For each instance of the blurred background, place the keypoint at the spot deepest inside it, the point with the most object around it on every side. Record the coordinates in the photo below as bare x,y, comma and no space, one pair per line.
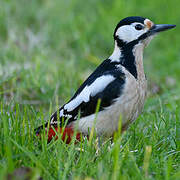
48,48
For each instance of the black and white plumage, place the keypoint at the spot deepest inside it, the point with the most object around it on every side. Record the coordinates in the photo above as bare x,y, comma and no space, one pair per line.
119,82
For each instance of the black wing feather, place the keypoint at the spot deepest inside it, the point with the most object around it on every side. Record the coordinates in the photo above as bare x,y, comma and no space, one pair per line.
107,96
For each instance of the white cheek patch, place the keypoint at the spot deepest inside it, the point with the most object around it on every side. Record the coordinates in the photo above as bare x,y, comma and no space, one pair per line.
128,33
97,86
125,33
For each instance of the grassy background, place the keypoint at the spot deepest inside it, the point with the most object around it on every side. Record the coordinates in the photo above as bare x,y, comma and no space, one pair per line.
47,49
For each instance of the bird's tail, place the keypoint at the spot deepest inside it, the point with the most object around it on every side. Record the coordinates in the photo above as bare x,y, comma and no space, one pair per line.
66,133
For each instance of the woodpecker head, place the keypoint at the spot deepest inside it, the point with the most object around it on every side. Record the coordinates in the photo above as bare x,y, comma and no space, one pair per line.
131,35
136,30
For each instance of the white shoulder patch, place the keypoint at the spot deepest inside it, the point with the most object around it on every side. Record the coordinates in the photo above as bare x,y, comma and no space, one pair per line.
97,86
61,112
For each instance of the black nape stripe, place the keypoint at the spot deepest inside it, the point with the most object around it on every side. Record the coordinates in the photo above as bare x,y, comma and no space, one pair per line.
127,58
120,42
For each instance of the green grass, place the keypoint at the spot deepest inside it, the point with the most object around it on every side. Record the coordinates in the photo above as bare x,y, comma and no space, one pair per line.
47,49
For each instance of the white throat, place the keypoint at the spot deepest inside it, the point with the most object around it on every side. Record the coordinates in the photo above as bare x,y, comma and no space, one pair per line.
116,55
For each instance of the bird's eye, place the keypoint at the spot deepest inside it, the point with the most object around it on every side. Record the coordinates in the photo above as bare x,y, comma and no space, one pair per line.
139,27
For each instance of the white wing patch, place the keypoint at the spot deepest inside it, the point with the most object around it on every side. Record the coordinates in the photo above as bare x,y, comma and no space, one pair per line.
65,115
61,113
97,86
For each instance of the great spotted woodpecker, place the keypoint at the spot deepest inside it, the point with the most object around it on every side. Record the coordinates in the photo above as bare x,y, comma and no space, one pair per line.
119,82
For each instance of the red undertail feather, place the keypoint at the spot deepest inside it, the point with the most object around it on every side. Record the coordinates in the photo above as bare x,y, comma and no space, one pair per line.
67,134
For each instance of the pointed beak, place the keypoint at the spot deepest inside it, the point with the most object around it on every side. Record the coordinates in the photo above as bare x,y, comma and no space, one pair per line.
159,28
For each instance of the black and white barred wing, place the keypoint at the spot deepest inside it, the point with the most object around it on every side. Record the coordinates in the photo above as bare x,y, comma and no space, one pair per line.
106,86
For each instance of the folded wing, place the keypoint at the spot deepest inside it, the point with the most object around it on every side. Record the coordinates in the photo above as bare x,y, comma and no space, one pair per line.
106,84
